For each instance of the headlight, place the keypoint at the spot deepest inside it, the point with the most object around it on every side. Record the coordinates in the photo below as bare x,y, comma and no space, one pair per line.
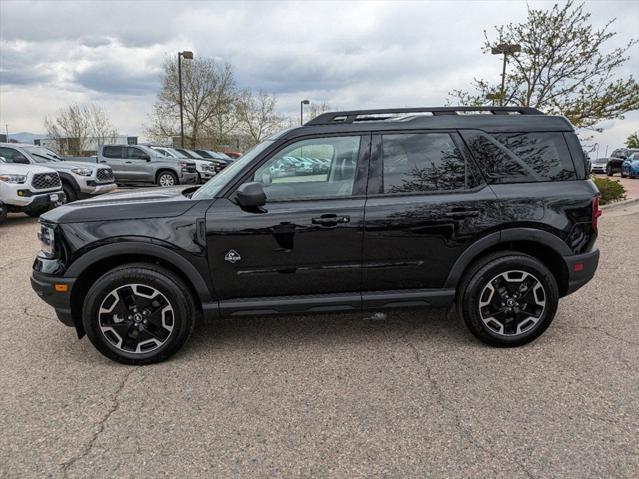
47,240
82,171
14,179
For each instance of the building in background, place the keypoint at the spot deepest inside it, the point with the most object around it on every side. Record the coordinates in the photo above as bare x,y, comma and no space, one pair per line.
90,148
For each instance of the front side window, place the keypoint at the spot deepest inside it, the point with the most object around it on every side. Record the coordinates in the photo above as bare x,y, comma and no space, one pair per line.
137,154
311,169
424,163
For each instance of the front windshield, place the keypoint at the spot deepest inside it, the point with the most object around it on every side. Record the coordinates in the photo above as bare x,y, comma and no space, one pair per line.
215,184
40,154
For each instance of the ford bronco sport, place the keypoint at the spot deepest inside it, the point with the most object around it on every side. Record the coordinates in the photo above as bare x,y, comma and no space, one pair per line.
487,208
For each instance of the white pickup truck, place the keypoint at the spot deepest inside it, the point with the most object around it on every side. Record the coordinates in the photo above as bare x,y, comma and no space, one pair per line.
28,189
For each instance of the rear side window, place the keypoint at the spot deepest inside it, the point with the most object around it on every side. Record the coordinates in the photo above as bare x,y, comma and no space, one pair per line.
522,157
424,163
112,152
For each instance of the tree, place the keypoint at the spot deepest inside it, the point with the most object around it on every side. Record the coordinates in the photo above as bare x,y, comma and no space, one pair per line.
316,109
78,128
633,140
256,115
561,68
208,94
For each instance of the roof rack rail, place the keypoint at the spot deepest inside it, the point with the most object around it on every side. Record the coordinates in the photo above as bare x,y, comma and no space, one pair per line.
390,113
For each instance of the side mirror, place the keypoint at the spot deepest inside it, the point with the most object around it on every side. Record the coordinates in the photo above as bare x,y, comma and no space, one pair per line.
251,195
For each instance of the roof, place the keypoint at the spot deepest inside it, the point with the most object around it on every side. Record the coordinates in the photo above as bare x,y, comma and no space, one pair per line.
489,119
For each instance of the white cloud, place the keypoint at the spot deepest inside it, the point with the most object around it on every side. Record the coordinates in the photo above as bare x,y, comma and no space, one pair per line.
353,55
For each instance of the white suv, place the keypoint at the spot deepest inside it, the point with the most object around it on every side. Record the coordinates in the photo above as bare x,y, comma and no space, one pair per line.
28,189
79,180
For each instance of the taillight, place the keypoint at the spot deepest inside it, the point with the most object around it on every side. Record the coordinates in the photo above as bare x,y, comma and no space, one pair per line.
596,212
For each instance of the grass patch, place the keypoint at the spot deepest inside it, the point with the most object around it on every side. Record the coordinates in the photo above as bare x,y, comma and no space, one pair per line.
611,190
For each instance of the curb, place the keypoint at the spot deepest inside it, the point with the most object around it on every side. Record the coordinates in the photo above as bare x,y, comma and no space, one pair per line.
619,203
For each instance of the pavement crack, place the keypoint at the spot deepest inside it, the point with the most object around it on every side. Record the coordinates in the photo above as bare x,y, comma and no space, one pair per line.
441,401
36,315
13,262
115,405
603,331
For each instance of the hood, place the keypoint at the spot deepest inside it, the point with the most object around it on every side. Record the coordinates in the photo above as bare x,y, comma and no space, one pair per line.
68,165
124,205
20,169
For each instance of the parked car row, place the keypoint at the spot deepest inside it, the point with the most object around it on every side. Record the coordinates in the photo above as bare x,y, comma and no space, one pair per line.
621,161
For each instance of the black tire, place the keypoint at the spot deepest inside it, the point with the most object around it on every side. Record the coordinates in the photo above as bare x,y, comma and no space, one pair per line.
69,192
622,173
166,179
609,170
172,291
476,282
3,212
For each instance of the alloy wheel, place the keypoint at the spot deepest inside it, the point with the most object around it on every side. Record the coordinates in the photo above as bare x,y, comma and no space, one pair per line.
512,303
136,318
167,180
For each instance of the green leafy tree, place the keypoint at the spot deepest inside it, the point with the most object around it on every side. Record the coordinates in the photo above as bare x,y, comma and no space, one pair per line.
561,68
633,140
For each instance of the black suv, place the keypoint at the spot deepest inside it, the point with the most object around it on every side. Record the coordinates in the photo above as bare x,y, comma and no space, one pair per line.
617,158
490,208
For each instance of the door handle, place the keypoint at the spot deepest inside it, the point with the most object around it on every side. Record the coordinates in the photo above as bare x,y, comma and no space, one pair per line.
330,220
128,162
102,161
461,213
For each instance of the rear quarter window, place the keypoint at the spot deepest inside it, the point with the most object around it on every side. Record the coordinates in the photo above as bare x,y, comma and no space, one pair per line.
522,157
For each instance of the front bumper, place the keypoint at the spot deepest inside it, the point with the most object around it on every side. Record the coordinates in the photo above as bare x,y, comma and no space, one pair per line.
50,289
90,187
581,269
188,178
28,197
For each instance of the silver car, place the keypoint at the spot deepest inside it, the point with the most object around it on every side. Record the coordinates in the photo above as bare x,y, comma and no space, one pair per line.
79,179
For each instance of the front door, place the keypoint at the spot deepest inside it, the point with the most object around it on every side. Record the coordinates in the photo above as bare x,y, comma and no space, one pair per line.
307,240
427,202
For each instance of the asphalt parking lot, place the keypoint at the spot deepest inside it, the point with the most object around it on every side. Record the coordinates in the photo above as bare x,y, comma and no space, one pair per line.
329,396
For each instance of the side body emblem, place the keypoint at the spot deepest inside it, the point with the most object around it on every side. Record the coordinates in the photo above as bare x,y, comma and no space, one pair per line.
232,256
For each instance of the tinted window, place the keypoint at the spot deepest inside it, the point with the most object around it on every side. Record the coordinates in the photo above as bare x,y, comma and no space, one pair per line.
137,154
523,157
424,162
112,152
316,168
13,156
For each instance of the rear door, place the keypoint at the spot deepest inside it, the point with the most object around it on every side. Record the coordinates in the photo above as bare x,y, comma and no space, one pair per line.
426,204
307,240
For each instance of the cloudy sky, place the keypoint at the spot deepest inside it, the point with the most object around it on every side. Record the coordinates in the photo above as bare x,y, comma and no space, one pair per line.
353,55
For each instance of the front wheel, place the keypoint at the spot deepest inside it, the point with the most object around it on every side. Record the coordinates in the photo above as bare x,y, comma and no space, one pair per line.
623,175
138,314
69,193
3,212
509,299
609,170
166,178
36,212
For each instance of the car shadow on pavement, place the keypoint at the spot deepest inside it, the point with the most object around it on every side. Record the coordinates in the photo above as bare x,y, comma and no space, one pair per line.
439,326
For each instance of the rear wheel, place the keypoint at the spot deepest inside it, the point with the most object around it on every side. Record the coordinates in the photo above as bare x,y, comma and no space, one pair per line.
508,299
167,178
138,314
623,175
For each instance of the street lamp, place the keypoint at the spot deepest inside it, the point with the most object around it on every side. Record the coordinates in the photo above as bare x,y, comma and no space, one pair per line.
188,56
505,49
302,103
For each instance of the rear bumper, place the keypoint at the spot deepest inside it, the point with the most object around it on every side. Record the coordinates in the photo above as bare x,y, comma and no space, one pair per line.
188,178
581,269
45,287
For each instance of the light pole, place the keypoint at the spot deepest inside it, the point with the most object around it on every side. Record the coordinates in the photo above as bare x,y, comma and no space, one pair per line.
302,103
189,56
505,49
